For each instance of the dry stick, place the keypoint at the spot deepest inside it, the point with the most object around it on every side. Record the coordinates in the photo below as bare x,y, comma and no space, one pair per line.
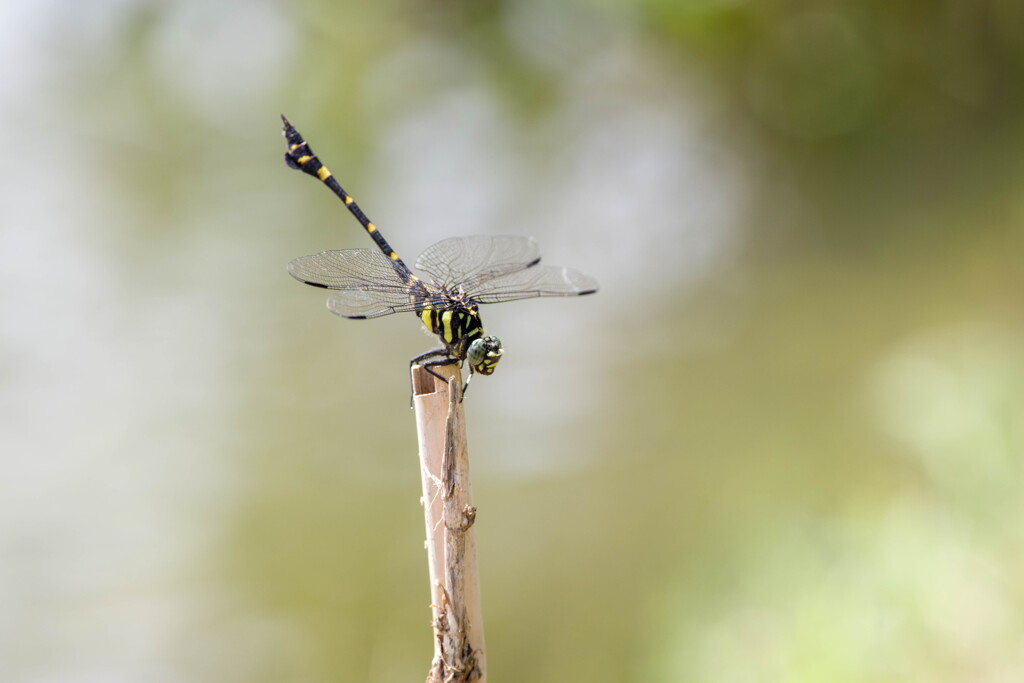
449,514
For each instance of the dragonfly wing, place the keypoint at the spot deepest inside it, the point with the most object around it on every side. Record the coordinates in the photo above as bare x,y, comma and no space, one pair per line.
534,282
366,284
345,269
365,303
478,258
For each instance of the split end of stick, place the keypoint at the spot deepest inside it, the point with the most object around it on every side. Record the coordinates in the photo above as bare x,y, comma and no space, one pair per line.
423,382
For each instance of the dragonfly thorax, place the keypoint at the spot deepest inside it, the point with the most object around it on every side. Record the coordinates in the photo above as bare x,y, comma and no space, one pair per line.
457,322
460,329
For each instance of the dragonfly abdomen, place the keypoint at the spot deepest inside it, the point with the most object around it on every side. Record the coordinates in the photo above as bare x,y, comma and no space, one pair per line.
300,156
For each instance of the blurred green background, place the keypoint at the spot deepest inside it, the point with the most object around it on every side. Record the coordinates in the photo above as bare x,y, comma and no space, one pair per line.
783,443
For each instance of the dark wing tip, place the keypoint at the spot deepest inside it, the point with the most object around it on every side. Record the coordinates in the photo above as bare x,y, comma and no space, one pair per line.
285,122
588,291
292,271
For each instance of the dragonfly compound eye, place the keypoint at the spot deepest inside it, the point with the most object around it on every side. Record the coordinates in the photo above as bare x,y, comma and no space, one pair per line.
483,354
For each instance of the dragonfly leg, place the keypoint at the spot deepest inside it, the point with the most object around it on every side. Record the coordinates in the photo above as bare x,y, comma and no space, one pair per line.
433,353
466,385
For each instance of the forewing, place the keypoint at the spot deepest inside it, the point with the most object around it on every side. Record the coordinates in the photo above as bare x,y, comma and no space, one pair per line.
345,269
534,282
367,284
476,259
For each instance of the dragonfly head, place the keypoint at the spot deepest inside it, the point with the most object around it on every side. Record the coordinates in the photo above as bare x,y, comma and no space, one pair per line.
483,354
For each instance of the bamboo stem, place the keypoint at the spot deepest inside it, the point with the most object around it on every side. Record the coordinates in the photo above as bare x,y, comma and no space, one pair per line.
449,515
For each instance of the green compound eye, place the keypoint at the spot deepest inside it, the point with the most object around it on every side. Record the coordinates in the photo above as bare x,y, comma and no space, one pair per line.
483,354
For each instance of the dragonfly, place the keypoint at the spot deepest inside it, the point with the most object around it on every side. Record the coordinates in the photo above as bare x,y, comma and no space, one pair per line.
460,274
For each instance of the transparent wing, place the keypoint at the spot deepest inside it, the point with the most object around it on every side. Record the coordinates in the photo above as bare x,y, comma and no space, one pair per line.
367,284
361,303
534,282
470,261
345,269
